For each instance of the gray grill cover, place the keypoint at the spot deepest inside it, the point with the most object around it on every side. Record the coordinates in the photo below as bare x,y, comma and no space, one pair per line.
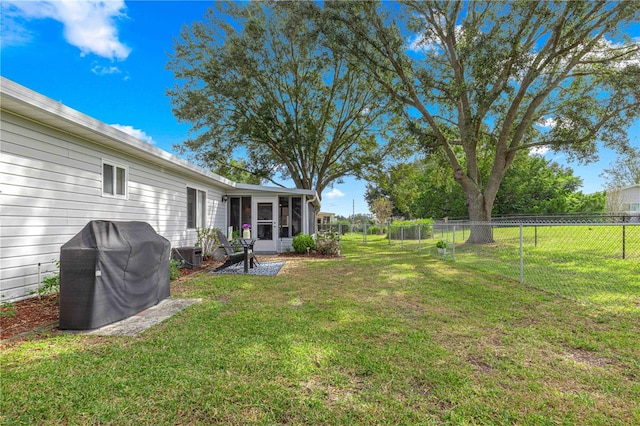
110,271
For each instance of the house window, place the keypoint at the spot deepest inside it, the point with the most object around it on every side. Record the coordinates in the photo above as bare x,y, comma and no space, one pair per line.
114,180
290,211
634,207
196,208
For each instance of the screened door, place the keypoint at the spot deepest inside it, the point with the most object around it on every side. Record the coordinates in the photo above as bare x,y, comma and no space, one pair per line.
265,224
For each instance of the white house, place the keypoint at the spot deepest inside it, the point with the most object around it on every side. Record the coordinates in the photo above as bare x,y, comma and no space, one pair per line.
60,169
326,218
625,201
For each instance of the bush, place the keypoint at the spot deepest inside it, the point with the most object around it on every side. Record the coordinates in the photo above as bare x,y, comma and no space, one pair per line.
408,230
8,310
303,241
328,243
207,238
174,269
373,230
50,284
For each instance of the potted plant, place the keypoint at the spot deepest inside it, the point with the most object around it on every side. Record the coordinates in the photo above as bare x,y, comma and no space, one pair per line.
441,245
246,231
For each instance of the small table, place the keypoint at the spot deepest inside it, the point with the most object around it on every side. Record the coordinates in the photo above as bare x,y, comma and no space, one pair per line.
247,244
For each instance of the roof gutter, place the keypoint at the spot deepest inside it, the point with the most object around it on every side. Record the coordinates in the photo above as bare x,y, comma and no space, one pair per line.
316,201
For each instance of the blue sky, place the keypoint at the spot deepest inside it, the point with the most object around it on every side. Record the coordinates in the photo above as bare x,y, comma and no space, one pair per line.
107,60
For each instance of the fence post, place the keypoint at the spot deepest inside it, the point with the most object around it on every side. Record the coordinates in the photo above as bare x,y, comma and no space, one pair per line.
624,242
521,255
364,234
402,236
453,245
535,230
419,237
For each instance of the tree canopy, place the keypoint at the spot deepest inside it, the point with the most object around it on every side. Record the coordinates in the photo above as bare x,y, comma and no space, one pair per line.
533,185
258,81
513,75
625,170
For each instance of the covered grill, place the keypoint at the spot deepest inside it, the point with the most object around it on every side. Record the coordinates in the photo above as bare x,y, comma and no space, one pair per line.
110,271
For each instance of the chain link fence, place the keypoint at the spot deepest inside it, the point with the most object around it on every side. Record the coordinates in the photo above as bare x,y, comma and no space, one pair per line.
595,263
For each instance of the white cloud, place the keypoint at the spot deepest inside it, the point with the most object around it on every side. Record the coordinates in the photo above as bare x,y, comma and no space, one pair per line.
547,122
13,32
421,42
136,133
100,70
606,48
539,150
427,40
334,193
88,24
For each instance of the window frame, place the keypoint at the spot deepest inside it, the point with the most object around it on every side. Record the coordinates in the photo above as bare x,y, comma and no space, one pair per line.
114,179
199,217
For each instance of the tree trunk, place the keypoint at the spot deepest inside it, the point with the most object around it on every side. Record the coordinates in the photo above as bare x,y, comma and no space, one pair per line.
480,217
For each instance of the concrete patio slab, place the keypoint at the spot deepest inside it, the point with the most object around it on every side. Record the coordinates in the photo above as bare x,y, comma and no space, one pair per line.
142,321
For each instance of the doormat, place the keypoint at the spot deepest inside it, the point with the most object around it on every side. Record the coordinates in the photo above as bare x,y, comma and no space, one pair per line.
263,268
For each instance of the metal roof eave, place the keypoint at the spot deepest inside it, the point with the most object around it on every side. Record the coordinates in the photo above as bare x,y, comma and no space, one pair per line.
36,107
275,189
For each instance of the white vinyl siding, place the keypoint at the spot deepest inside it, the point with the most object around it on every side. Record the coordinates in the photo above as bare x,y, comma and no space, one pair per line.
51,186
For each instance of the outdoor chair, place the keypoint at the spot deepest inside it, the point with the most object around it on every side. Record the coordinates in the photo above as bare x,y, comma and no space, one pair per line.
230,257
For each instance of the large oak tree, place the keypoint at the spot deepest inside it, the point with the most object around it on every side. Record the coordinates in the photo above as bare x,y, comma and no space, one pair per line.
258,81
518,74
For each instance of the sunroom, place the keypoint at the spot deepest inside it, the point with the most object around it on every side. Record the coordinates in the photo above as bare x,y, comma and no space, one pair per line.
273,216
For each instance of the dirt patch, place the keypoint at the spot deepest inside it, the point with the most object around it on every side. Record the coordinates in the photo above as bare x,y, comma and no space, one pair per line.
26,315
479,364
586,357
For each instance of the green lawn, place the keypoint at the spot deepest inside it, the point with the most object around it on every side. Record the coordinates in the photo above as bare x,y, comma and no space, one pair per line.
380,337
586,263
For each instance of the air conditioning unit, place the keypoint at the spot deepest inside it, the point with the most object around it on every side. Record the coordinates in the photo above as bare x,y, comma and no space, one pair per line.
189,257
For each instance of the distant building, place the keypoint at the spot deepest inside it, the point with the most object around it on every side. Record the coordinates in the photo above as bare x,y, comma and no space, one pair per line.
625,201
325,218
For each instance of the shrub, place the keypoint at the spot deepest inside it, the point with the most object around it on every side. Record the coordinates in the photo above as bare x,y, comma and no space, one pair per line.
50,284
303,241
408,229
8,310
207,238
328,243
373,230
174,269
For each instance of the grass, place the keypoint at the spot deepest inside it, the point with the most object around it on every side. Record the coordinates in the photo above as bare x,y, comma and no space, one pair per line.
581,262
380,337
